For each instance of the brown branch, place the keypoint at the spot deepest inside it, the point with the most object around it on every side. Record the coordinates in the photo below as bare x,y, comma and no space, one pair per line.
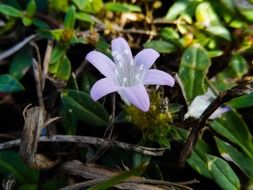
84,140
239,90
49,20
17,47
46,61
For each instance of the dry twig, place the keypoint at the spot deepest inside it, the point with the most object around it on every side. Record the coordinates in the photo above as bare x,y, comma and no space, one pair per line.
17,47
84,140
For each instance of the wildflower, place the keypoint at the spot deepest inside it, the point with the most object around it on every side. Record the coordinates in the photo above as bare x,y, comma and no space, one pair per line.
200,103
127,75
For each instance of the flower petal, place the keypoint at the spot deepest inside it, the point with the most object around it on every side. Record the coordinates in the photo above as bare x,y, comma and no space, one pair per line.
121,53
103,87
146,58
120,45
199,105
157,77
137,95
219,112
102,63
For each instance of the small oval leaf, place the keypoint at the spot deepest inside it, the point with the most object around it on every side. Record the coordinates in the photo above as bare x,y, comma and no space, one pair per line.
230,153
20,63
69,21
84,108
232,127
122,7
193,69
10,11
9,84
222,173
161,46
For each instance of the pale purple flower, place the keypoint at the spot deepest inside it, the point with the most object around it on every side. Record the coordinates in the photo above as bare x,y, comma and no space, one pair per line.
127,75
200,103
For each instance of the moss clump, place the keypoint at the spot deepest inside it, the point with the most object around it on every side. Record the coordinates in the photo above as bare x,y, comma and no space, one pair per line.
156,123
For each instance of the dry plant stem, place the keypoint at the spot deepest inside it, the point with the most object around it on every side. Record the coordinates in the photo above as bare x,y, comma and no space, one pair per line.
164,21
125,185
112,117
17,47
136,31
38,76
82,184
81,68
46,60
108,131
84,140
100,173
239,90
35,120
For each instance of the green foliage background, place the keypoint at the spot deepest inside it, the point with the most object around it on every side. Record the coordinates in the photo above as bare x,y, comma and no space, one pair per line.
205,44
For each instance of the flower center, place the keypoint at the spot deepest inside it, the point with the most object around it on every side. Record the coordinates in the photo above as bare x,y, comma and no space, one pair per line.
126,73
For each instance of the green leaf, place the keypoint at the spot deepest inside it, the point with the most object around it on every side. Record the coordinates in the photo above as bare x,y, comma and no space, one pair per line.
169,34
222,173
176,9
230,153
69,119
122,7
84,17
9,84
161,46
26,21
11,164
232,126
219,31
94,6
10,11
59,5
205,15
198,160
242,101
119,178
215,53
228,4
53,184
57,33
31,8
57,53
40,24
238,66
69,21
81,4
87,81
61,69
193,69
21,63
84,108
28,187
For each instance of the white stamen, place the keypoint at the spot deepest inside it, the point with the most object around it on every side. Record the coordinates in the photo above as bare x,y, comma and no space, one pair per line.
116,72
141,67
124,81
137,77
120,64
116,55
